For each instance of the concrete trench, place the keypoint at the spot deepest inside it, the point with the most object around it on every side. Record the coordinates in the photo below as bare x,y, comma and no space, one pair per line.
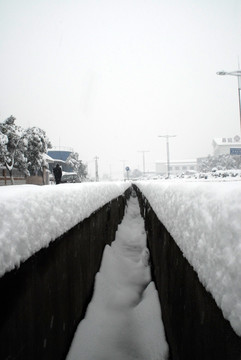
35,324
194,325
123,319
43,300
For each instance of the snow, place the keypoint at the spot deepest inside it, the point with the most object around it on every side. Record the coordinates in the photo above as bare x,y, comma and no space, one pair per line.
123,320
204,218
32,216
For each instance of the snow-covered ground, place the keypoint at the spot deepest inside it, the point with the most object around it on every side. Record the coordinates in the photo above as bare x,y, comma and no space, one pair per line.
204,218
123,320
31,216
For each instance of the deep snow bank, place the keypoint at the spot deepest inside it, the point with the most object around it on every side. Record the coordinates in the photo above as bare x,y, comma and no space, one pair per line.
31,216
205,221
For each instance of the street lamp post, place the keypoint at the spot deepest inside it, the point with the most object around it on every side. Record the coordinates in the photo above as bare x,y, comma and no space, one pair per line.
168,155
236,73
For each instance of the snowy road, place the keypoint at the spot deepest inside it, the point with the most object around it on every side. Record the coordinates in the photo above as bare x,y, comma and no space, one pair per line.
123,320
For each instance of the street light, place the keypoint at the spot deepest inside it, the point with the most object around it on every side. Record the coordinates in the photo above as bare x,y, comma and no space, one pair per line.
236,73
168,157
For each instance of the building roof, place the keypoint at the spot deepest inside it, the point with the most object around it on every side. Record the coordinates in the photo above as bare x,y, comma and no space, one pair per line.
185,161
227,141
59,154
48,158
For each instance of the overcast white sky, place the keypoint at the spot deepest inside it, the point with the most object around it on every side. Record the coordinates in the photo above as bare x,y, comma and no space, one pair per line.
107,77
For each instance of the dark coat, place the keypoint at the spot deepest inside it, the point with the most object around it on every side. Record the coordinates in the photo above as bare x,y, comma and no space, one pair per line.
57,173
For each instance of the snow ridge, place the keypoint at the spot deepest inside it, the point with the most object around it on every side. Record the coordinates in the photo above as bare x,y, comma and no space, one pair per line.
32,216
205,221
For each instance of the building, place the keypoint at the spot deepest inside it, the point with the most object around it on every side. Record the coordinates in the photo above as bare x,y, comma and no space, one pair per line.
223,146
177,167
60,155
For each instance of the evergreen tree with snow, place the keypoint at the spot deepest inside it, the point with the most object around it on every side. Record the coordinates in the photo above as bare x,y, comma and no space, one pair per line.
22,149
3,144
13,146
77,165
38,145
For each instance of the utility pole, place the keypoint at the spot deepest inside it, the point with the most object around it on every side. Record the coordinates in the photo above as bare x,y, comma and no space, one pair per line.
236,73
110,173
143,159
96,169
168,155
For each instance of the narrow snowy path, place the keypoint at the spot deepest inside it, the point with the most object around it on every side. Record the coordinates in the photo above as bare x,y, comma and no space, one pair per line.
123,320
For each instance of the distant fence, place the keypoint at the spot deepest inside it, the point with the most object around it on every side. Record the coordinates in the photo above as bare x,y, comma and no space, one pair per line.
36,180
5,178
194,325
7,181
20,178
43,301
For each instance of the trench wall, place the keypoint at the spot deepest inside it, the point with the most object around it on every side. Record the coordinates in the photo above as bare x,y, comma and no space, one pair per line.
43,300
194,325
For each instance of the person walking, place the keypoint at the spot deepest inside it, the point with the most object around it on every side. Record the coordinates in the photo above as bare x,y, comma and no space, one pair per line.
57,174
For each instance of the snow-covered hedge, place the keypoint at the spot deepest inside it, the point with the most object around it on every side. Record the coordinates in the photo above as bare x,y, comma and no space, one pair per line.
205,221
32,216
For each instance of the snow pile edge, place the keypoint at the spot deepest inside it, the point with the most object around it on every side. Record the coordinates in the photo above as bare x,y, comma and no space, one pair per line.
205,221
32,216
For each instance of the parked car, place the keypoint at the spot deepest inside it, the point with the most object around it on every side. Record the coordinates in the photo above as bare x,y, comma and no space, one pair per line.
70,178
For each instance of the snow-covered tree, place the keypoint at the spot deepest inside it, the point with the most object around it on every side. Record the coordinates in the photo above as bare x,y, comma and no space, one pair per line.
3,145
77,165
13,147
22,149
38,145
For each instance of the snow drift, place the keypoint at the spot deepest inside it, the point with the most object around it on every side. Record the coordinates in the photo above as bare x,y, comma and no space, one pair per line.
204,219
32,216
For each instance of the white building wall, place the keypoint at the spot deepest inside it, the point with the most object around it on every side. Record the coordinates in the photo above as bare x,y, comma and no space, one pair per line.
176,167
222,146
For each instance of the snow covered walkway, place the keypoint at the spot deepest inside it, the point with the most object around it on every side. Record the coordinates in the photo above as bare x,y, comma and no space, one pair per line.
123,320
